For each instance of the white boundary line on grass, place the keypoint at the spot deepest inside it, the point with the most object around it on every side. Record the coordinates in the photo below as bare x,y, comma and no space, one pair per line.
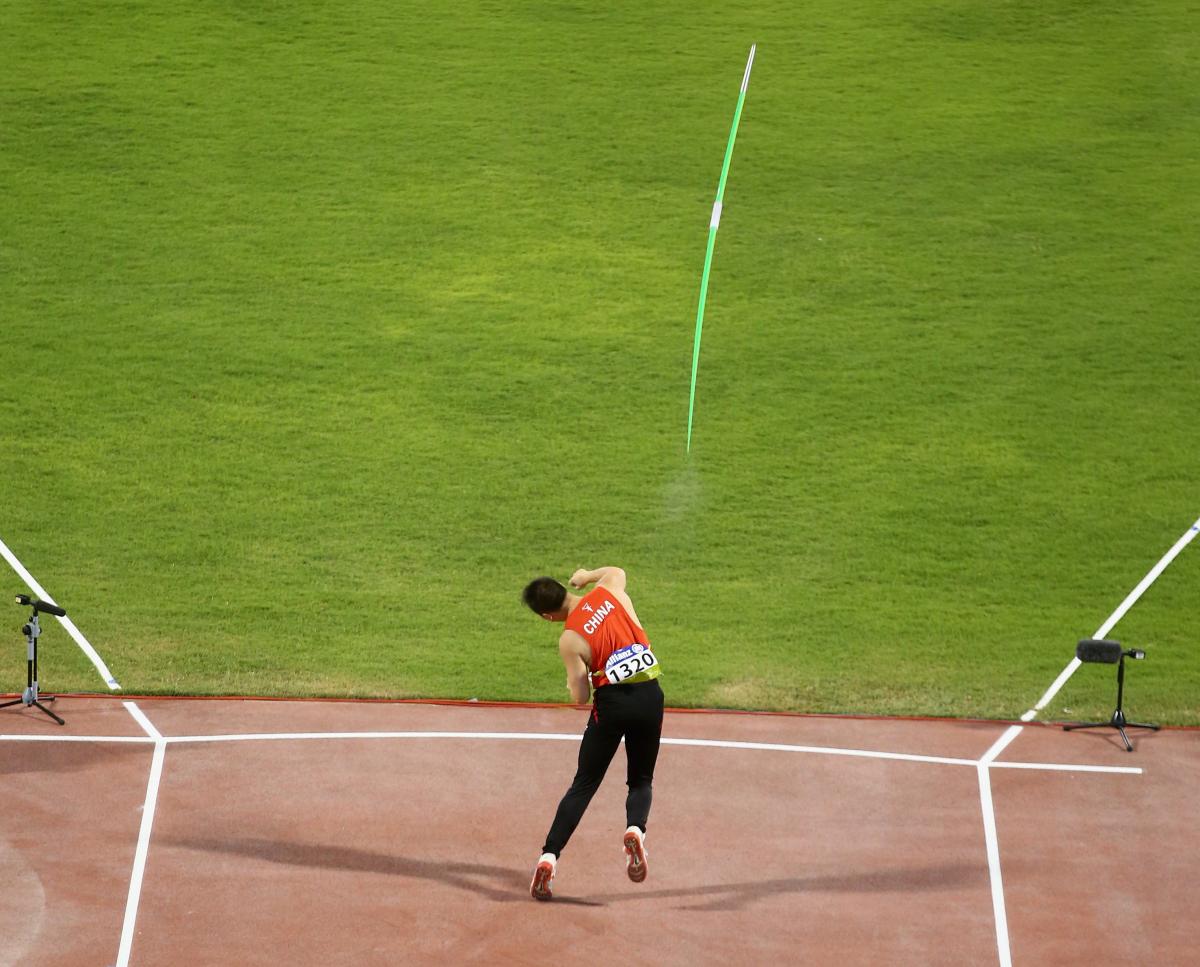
143,843
1130,600
66,622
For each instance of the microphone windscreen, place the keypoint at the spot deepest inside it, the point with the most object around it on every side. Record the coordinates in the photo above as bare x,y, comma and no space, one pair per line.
1099,650
47,608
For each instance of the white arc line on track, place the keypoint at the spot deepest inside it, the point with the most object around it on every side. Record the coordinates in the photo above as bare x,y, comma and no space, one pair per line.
66,622
153,737
143,843
566,737
139,739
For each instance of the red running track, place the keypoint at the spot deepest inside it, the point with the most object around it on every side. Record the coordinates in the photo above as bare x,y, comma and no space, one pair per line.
835,849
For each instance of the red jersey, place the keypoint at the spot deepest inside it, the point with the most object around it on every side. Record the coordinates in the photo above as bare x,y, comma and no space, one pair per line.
620,648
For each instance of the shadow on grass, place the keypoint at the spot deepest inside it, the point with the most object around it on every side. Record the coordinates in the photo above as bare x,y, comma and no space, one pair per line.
503,884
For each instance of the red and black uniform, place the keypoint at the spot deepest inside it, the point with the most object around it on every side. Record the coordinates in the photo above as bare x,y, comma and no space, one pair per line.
627,702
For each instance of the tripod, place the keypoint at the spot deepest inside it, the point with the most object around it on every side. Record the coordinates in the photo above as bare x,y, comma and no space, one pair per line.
1118,720
32,630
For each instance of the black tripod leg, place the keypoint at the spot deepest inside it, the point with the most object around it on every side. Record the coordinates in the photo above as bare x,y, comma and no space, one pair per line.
16,701
1128,744
48,712
1132,725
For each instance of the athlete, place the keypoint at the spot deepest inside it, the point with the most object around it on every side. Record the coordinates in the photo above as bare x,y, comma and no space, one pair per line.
607,656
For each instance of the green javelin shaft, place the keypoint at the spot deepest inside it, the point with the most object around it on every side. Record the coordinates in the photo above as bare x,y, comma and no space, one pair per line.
712,239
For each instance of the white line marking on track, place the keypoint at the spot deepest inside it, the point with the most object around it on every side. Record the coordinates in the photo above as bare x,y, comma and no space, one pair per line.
143,843
139,856
142,739
1000,744
1066,767
566,737
154,736
66,622
140,717
818,750
280,736
993,857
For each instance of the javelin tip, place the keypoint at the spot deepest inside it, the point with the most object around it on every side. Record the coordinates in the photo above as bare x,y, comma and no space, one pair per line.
749,64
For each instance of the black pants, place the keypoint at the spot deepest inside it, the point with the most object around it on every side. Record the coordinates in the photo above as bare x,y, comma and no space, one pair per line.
632,711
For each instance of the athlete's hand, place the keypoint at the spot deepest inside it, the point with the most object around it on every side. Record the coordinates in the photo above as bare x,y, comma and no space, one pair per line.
580,578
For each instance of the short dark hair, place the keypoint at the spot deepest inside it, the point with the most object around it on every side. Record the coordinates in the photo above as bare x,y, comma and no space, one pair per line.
544,595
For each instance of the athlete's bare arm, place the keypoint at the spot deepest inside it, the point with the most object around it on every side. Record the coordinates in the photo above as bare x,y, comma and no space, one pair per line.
610,578
574,652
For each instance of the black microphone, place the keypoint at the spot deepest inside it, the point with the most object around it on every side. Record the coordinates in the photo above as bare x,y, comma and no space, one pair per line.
45,607
1099,650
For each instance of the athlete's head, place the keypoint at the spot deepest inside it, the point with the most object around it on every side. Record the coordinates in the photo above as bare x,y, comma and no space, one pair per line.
545,597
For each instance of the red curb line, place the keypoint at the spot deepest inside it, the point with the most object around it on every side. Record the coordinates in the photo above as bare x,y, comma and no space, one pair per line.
470,703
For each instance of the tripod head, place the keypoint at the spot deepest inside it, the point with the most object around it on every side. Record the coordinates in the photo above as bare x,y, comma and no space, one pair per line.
43,607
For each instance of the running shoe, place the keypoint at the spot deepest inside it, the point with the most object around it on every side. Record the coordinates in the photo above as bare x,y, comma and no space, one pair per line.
635,854
543,878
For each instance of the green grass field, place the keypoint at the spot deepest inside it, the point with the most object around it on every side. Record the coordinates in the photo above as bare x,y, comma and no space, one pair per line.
328,326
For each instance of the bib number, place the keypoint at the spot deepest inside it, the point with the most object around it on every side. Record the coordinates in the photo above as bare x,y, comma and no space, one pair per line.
628,662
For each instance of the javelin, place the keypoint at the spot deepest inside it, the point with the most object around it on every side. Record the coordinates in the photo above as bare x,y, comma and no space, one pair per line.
712,238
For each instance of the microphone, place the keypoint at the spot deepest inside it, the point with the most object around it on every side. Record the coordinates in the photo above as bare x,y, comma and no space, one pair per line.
1135,653
45,607
1099,650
